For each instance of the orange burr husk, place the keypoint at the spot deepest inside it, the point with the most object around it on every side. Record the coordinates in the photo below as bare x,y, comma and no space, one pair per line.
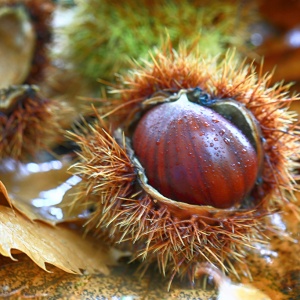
177,235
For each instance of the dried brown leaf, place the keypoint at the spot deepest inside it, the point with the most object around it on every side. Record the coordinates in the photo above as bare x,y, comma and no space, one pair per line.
44,244
58,246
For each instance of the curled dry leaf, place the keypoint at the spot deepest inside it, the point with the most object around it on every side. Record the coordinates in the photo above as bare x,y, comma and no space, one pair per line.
59,246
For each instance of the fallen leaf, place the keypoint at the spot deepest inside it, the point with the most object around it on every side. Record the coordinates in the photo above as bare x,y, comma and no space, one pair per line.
58,246
44,243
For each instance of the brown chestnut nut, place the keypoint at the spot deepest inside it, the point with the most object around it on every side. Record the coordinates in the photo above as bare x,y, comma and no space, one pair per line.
193,154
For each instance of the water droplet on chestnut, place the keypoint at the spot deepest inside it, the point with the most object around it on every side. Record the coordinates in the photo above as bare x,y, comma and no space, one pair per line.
186,169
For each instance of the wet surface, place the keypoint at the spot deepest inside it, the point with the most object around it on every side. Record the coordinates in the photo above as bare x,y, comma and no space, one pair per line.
42,190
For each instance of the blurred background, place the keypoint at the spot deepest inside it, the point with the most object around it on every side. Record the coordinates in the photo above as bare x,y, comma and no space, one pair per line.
277,37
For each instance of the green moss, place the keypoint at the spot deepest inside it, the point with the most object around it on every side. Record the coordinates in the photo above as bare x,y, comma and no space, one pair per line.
105,35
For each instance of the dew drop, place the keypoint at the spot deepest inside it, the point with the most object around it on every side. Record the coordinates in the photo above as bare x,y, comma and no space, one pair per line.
244,151
216,139
222,132
215,121
227,141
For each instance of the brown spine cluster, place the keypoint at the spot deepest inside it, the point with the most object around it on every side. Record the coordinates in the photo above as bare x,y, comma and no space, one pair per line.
28,122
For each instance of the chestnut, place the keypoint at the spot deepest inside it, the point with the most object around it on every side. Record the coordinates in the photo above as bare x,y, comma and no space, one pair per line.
186,162
193,154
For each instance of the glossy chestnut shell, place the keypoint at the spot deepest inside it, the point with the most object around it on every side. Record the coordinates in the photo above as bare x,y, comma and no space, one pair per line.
192,154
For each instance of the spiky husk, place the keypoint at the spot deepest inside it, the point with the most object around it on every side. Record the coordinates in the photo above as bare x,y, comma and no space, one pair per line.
105,34
226,78
29,122
178,239
40,14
